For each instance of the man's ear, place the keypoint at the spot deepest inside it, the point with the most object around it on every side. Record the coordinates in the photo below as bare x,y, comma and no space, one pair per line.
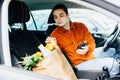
67,15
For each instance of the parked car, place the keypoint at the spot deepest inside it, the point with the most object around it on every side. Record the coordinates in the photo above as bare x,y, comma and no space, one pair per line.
102,18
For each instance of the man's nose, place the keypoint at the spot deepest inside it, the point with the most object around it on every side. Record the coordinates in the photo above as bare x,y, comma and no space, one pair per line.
58,19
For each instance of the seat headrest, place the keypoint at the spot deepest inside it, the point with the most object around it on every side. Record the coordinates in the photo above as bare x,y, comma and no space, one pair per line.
18,12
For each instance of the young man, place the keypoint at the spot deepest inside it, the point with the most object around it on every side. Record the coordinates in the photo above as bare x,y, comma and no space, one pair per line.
69,35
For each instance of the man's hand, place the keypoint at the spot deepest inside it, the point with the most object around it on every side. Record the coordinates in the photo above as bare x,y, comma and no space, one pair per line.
51,43
83,50
50,40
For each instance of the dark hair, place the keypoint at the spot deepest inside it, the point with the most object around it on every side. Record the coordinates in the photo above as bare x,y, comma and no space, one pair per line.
60,6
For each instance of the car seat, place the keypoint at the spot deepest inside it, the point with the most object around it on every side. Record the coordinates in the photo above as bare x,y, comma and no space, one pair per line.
51,23
22,41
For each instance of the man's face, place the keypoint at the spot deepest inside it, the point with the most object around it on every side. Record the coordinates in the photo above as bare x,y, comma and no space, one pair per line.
60,17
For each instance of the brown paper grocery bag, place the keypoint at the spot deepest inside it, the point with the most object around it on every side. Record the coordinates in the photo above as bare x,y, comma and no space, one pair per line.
55,65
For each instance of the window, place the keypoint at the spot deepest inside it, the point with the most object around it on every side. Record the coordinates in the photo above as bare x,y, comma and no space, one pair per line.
95,21
41,18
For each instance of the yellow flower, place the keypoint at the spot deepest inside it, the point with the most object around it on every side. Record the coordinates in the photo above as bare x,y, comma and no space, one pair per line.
38,54
30,61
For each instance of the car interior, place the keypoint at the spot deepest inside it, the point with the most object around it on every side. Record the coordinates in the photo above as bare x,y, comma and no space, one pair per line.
24,42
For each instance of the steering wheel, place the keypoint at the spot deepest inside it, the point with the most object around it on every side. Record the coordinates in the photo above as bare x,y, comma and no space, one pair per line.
112,37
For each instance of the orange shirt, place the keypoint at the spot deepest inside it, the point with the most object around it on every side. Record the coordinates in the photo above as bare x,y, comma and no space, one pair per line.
68,40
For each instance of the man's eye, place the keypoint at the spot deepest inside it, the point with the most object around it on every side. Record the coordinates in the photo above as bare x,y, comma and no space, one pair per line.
55,17
61,15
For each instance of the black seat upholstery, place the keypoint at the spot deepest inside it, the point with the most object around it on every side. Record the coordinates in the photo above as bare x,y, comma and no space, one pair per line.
22,41
50,27
18,12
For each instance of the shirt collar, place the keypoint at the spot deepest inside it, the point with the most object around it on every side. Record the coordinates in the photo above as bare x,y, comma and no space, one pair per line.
72,26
